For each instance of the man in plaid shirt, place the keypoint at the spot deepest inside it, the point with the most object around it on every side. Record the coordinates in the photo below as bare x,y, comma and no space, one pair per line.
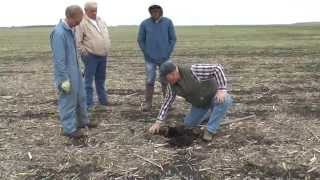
202,85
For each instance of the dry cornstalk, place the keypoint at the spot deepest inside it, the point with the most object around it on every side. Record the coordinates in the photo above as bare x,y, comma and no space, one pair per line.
238,119
313,134
30,156
148,160
160,145
234,120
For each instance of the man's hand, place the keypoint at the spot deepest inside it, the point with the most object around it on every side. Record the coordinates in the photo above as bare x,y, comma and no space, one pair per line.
66,86
155,128
220,96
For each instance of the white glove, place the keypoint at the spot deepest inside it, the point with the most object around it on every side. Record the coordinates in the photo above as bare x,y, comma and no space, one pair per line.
81,65
66,86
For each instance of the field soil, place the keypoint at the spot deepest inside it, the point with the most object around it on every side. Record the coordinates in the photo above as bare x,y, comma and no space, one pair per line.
273,73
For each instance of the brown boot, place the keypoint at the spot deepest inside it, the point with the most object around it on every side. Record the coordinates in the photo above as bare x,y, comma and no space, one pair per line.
147,105
91,124
207,136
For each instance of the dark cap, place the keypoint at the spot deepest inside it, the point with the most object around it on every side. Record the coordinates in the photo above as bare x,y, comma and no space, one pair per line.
166,68
154,6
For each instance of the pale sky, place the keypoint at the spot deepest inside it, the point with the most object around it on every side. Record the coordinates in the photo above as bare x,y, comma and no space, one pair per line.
182,12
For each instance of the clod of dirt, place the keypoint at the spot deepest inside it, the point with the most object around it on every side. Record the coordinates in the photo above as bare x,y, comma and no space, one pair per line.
181,141
180,136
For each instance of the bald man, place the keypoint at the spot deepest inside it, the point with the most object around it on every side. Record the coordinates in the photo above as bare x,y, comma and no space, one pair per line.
67,76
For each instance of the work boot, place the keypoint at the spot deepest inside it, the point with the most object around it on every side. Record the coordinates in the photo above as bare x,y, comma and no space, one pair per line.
91,124
147,105
75,135
101,107
207,136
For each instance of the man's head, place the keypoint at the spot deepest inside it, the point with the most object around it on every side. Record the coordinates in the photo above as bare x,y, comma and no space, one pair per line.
169,73
155,11
74,15
91,9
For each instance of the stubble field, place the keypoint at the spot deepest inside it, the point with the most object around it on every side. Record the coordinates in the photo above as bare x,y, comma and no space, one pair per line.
273,73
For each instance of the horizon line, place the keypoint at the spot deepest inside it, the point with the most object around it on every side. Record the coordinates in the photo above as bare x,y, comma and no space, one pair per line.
282,24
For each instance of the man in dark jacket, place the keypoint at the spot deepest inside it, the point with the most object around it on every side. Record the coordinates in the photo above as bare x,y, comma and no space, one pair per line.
202,85
156,39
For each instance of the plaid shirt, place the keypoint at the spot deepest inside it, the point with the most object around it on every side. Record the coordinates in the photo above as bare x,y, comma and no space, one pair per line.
202,72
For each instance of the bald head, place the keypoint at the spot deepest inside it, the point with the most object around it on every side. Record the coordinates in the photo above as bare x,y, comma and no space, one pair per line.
91,4
91,9
74,15
73,11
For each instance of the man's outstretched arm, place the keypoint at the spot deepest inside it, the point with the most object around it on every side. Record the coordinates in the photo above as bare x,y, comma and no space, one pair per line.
169,99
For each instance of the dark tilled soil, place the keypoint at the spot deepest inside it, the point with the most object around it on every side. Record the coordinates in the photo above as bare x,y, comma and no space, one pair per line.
282,141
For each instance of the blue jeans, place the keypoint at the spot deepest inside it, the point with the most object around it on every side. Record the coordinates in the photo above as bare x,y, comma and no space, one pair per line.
95,68
218,111
151,72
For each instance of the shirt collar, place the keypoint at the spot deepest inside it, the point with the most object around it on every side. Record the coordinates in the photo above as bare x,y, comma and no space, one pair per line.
65,24
87,17
157,21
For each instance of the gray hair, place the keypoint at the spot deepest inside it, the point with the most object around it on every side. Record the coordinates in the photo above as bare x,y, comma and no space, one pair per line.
73,10
90,4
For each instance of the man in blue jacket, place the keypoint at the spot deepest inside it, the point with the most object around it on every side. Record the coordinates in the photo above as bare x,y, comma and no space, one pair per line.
67,76
156,39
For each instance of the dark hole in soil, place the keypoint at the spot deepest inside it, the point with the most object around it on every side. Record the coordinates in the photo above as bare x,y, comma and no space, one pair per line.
180,136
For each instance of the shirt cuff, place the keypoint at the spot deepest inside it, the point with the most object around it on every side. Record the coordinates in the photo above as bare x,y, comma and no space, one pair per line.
159,121
222,88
